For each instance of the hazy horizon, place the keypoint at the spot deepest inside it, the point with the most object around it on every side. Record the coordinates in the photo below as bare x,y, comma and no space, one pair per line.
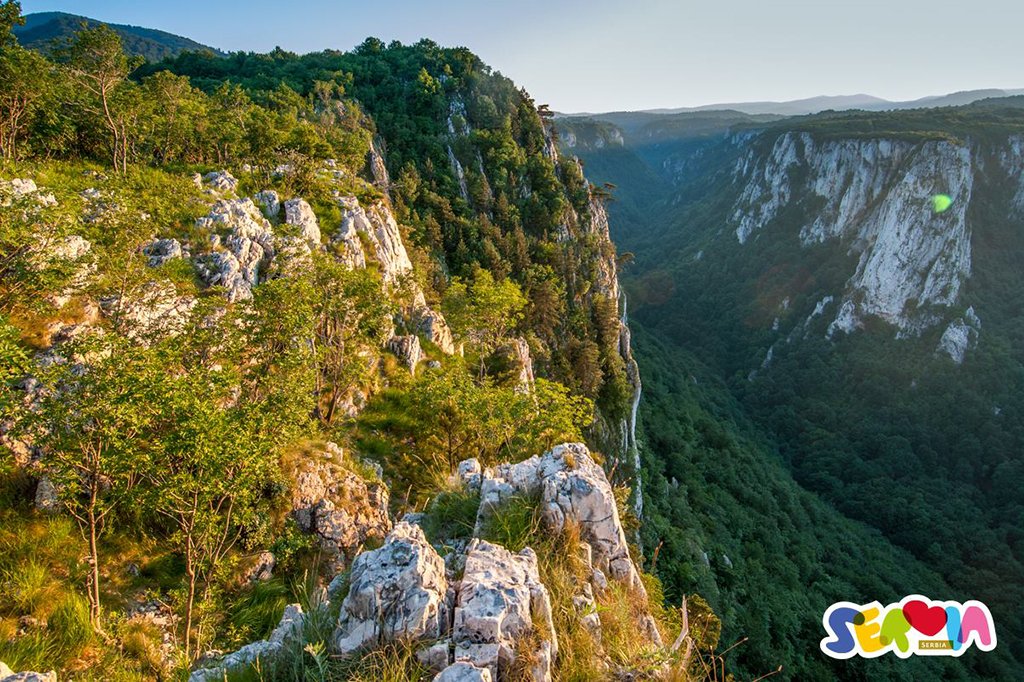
595,56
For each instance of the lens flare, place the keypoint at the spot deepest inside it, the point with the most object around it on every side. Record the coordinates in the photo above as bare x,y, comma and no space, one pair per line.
941,203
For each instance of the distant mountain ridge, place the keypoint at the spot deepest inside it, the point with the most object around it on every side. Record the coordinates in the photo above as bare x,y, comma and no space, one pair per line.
43,30
814,105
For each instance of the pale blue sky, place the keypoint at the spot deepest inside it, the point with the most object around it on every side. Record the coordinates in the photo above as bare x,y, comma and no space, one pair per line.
600,55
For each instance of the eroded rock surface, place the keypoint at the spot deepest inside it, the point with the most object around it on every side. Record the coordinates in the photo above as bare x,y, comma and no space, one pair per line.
500,600
338,505
397,592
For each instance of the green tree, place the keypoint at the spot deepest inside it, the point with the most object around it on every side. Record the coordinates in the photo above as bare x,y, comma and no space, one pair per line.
484,311
94,417
25,85
96,61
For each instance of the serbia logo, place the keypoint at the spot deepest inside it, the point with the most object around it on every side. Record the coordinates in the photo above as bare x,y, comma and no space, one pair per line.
915,626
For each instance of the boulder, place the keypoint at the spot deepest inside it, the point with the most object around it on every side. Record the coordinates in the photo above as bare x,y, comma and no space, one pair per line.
339,506
221,181
407,349
29,677
289,628
300,214
270,203
500,600
160,251
398,592
47,499
435,328
463,672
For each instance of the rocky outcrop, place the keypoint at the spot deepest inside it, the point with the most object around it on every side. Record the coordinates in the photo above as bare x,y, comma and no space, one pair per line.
500,600
270,203
237,258
571,487
162,251
434,327
336,504
220,181
876,196
289,628
408,350
960,336
299,213
378,169
397,592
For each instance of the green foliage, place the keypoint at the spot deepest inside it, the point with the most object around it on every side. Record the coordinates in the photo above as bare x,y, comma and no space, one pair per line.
514,525
420,433
451,516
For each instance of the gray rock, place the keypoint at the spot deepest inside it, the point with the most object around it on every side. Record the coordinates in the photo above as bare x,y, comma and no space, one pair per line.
160,251
30,677
463,672
433,326
300,214
397,592
154,312
221,181
500,600
270,203
571,487
338,505
260,569
407,349
248,247
263,650
47,499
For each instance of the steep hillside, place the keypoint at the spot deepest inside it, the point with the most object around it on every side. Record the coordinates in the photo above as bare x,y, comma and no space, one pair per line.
848,277
321,365
44,30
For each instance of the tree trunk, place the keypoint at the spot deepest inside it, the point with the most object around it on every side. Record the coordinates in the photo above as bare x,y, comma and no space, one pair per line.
94,576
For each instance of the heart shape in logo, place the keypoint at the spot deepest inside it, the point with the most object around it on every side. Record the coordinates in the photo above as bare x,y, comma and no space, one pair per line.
925,619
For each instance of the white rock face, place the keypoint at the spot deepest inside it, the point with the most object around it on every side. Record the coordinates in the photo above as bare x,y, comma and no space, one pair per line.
221,181
460,174
270,203
571,487
397,592
876,196
378,170
341,508
408,350
960,336
500,600
463,672
161,251
263,650
299,213
379,226
248,247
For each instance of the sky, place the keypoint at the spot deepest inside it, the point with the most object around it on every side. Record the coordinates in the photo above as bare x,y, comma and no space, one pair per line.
604,55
